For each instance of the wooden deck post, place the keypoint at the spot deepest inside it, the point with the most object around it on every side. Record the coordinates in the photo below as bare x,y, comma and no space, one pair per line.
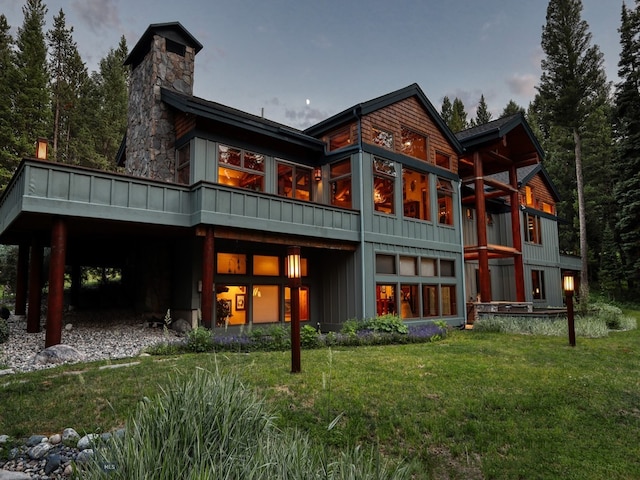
207,294
56,282
35,287
518,262
22,277
483,253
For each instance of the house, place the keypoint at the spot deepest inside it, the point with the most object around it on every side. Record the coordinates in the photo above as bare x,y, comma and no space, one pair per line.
392,211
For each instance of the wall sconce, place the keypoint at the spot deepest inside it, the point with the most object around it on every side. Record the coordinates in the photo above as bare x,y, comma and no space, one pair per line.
317,174
41,148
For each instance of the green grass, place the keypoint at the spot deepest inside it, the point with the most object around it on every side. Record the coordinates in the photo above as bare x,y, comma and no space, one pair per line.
475,405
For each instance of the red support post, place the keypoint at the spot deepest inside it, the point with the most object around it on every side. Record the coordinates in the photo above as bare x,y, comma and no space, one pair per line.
207,294
35,287
22,277
295,329
518,262
483,253
56,282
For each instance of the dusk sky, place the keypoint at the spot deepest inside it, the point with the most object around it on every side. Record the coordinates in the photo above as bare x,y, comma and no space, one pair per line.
303,61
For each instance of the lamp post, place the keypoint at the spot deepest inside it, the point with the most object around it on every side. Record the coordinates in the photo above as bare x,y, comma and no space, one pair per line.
294,275
568,286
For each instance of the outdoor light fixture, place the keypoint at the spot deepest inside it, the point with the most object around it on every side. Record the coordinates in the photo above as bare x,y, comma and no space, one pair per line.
294,274
568,285
41,148
317,174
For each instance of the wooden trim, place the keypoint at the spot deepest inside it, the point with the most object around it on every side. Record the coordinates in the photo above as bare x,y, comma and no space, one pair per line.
281,239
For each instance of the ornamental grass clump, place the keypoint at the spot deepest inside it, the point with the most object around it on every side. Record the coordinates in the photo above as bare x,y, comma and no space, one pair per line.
207,425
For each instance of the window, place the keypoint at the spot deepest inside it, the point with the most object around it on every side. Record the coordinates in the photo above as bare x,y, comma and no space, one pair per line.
533,230
340,139
445,202
382,138
409,303
415,194
383,185
414,144
184,165
265,304
528,195
340,182
428,267
430,301
240,168
448,299
266,265
468,211
304,304
294,181
385,299
408,266
386,264
447,268
537,284
547,208
232,263
443,160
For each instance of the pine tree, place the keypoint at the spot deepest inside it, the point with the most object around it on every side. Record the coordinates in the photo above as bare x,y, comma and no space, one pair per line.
511,109
446,112
458,117
572,85
8,149
482,114
627,123
32,104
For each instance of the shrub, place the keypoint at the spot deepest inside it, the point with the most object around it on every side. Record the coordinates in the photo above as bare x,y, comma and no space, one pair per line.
207,425
610,314
309,337
200,340
388,323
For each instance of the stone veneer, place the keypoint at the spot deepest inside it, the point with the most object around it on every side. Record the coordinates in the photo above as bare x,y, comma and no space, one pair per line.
150,131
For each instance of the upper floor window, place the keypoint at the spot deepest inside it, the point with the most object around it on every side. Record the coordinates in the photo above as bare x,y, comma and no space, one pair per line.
547,208
445,202
382,138
533,228
340,183
384,173
415,194
443,160
240,168
528,194
294,181
414,144
340,139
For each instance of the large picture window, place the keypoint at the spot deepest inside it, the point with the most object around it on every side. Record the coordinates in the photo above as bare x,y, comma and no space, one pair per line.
340,183
240,168
383,185
415,194
294,181
414,144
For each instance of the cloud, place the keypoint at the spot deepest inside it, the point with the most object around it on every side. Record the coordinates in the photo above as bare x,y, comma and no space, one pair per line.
304,117
99,15
523,85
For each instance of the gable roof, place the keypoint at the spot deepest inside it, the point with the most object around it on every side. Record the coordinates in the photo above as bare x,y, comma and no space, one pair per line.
383,101
494,130
526,173
172,30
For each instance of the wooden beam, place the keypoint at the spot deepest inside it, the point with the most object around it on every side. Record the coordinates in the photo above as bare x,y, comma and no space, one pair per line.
56,282
283,239
206,295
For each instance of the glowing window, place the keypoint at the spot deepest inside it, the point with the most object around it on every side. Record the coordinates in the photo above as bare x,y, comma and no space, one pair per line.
414,144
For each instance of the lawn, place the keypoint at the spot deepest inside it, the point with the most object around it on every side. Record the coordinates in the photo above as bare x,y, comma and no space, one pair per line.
475,405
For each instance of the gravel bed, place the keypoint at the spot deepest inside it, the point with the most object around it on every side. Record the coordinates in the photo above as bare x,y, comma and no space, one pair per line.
99,335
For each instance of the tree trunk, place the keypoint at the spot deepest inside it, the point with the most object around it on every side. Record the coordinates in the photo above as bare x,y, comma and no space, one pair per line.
584,279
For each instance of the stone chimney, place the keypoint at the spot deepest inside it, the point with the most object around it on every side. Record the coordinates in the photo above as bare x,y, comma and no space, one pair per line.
162,58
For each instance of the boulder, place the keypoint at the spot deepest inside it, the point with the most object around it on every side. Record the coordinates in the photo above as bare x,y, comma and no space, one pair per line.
58,354
70,437
181,326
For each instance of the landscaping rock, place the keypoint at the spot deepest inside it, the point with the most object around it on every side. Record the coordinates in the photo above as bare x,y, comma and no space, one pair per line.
70,437
181,326
58,354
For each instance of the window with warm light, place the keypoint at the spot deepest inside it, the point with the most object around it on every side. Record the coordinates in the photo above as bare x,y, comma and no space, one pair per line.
449,306
409,302
443,160
547,208
414,144
304,304
533,228
340,139
340,183
445,202
266,265
528,193
384,185
415,194
294,181
385,299
231,263
241,168
382,138
537,284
